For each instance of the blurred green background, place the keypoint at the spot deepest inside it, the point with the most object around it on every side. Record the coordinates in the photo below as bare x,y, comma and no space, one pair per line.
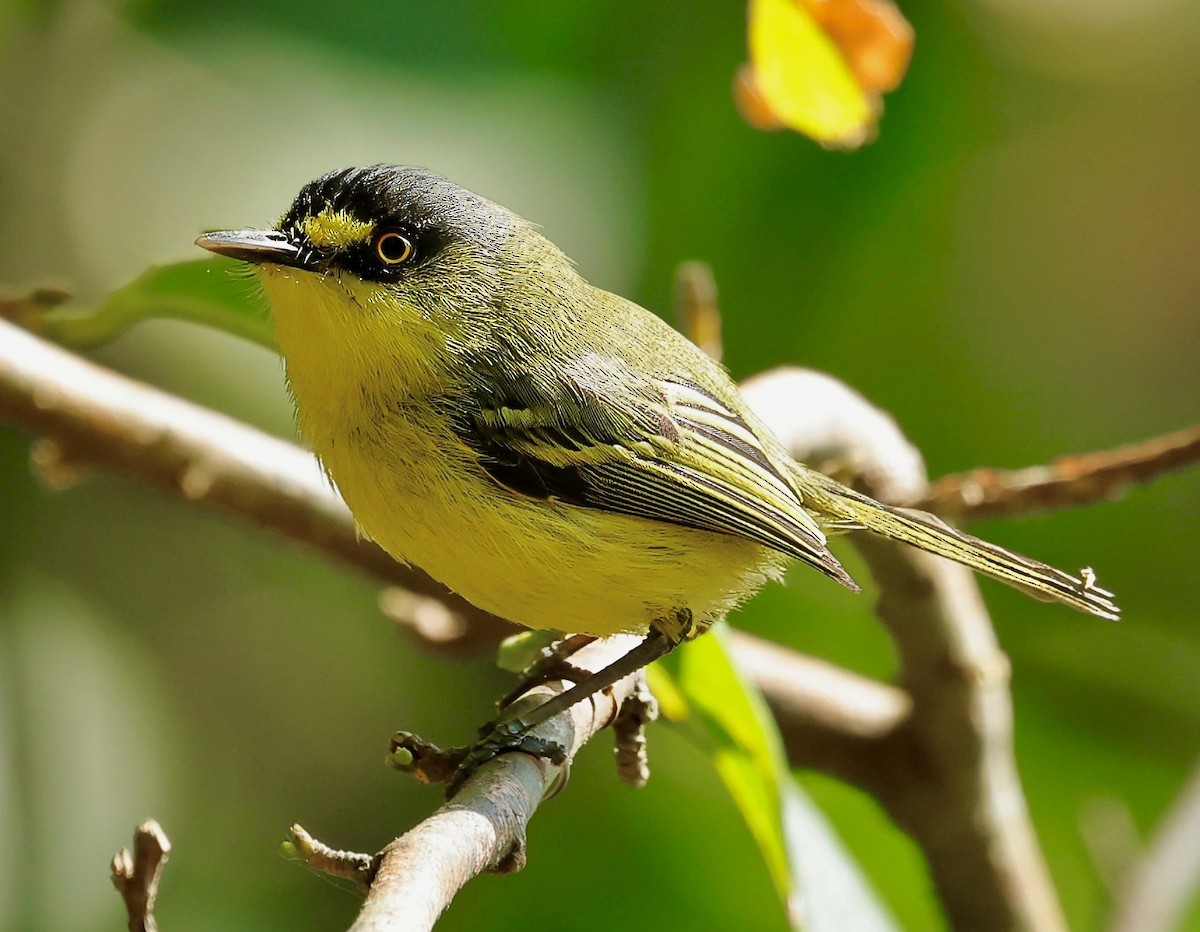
1011,269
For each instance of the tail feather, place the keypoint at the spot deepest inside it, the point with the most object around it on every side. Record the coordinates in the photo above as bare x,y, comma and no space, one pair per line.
849,509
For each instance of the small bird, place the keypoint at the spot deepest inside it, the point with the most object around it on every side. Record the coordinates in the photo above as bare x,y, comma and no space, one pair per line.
556,454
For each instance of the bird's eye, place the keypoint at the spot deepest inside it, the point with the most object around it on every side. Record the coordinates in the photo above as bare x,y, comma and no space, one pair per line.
393,248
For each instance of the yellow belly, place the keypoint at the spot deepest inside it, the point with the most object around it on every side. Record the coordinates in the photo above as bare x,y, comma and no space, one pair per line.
541,564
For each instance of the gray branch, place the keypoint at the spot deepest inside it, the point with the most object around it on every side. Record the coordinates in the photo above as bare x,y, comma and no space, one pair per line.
946,773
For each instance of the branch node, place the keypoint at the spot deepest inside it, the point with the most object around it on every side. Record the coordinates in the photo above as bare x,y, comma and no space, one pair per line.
197,481
422,759
515,858
629,731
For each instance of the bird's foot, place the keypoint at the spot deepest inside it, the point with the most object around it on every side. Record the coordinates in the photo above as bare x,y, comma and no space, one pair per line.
503,738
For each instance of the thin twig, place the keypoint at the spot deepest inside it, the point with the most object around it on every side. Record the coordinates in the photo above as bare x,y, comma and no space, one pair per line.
136,875
696,310
830,719
1082,479
345,865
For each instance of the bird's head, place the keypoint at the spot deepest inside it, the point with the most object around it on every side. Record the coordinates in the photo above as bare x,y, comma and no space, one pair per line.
395,262
383,231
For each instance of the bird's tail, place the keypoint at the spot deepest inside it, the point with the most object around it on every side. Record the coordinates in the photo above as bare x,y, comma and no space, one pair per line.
845,509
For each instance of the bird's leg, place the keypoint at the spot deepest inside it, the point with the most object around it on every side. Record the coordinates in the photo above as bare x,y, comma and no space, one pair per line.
514,734
554,664
654,646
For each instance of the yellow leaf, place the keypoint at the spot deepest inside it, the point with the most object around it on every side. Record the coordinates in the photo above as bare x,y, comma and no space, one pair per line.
819,66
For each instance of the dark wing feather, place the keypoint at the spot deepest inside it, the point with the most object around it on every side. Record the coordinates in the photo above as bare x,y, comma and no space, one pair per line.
594,434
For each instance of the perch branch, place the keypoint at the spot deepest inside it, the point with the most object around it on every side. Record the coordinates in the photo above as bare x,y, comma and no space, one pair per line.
482,827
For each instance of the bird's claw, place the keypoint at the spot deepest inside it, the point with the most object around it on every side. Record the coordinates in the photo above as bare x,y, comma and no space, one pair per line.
505,737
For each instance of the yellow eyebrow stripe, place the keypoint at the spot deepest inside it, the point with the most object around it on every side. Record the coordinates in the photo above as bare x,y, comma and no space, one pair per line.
335,230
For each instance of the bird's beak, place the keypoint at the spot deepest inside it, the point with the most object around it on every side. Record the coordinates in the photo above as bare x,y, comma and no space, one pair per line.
256,246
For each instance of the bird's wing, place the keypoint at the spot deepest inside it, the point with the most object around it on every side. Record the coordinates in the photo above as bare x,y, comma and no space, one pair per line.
592,433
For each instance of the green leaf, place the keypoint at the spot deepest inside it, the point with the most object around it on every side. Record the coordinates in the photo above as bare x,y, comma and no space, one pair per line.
702,691
213,292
